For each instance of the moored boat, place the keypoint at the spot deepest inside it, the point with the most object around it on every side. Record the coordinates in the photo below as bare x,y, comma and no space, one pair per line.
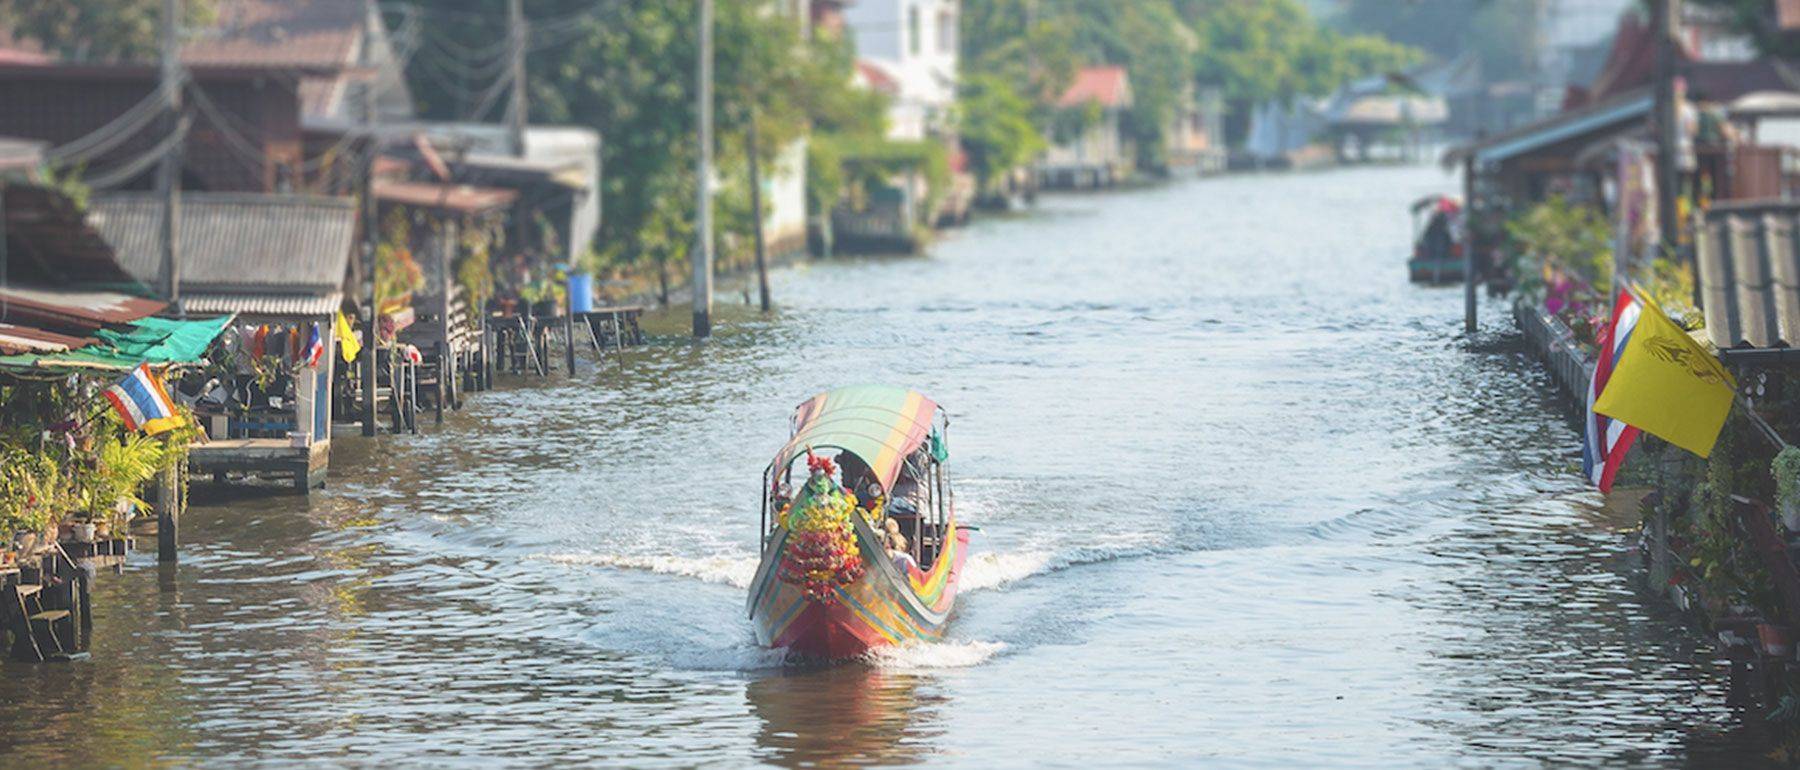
843,573
1437,241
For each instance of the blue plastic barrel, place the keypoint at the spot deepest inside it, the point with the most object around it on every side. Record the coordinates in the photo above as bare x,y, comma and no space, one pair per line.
581,293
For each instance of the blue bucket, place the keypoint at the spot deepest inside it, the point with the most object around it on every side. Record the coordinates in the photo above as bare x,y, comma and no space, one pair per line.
581,293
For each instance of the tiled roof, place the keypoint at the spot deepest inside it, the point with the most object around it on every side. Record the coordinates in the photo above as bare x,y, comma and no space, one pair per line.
322,39
878,78
1109,86
1750,274
313,34
236,243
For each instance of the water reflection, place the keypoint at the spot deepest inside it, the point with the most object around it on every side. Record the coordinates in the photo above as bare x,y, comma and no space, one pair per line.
845,715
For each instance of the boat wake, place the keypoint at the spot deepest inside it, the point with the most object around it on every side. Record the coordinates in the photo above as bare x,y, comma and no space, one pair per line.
922,656
736,571
986,570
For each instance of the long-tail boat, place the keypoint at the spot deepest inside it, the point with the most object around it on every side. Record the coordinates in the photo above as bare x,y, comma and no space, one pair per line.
834,581
1437,256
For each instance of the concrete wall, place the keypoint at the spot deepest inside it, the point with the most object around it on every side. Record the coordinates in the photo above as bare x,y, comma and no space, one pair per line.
784,196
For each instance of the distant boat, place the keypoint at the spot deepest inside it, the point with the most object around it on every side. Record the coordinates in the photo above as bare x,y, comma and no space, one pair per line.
828,585
1437,256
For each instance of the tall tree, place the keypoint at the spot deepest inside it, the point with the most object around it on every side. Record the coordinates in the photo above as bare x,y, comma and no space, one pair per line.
95,30
626,69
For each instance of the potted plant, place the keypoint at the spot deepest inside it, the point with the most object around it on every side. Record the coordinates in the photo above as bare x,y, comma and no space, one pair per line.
1786,469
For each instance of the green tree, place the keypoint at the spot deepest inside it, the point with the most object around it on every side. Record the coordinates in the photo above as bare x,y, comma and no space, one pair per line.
627,70
96,30
995,124
1272,49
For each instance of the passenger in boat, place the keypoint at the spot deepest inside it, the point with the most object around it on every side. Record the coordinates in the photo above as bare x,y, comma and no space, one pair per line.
910,486
897,549
853,473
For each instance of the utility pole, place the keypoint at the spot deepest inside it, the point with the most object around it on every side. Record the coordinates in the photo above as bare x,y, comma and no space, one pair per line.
1667,25
371,229
516,29
1471,250
703,246
756,216
168,175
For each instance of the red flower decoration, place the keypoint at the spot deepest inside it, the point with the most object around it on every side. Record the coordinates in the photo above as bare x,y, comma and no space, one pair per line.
818,464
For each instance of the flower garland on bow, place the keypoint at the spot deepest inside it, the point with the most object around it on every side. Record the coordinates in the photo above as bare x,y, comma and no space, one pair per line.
821,554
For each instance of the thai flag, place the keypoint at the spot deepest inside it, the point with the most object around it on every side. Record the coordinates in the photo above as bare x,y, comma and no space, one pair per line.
315,348
1607,439
143,403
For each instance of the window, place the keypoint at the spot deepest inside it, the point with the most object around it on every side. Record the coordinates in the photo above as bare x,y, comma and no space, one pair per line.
913,31
946,33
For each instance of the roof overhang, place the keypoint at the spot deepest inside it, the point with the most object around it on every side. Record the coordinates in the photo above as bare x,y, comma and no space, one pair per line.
1556,129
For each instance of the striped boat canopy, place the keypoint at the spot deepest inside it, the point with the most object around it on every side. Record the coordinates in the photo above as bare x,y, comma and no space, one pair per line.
880,424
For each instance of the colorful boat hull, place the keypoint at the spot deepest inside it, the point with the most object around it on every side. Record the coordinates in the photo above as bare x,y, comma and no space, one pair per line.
883,607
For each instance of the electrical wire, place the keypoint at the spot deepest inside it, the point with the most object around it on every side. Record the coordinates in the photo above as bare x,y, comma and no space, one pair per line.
105,138
137,165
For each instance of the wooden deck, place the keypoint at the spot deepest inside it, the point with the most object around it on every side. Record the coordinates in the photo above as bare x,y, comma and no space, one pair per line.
305,465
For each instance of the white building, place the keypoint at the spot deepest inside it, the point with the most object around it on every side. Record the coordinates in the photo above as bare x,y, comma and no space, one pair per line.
913,43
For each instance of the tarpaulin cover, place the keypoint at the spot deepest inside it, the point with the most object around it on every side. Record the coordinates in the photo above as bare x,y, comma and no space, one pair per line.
880,424
155,341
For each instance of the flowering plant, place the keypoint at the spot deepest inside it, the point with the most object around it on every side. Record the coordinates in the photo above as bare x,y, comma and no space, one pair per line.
821,554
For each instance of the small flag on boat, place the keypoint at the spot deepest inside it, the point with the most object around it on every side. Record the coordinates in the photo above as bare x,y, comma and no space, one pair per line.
315,347
1606,439
143,403
1665,384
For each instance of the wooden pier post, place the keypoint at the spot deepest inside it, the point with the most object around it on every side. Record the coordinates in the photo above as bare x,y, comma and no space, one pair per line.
569,340
168,513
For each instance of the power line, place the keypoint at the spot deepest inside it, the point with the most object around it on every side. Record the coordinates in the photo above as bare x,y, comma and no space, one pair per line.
131,168
105,138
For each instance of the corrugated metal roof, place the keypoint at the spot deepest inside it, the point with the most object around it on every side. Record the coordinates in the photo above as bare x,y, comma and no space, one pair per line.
1624,110
1750,274
264,304
64,310
236,243
50,243
16,339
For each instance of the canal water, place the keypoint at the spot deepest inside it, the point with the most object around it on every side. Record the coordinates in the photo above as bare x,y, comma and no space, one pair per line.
1246,497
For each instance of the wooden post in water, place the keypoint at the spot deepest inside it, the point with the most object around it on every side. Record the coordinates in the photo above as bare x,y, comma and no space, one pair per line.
569,337
168,513
1469,245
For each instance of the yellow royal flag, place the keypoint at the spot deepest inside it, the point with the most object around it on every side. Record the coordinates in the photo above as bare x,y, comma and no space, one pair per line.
1664,383
348,345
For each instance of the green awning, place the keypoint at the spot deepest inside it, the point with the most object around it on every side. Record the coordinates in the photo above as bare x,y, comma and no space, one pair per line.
155,341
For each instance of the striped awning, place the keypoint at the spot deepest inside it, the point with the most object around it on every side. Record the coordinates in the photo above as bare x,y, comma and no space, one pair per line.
880,424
